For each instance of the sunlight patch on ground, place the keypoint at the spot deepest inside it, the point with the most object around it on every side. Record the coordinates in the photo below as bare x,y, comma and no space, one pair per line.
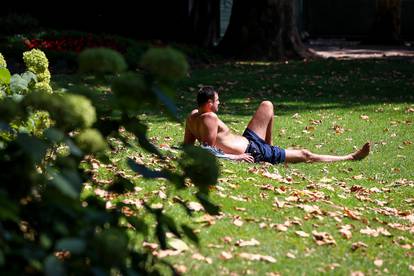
263,63
362,52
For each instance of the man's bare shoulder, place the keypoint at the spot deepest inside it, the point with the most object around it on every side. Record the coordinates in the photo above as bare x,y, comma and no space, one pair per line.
195,114
209,116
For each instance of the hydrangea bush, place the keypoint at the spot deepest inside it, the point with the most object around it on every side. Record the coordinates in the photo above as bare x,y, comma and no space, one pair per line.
37,63
3,63
48,223
36,78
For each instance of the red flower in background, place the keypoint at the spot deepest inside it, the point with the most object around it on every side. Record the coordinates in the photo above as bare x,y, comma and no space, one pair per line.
74,44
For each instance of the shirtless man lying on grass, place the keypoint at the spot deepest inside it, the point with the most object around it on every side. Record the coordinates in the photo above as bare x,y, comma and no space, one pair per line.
255,145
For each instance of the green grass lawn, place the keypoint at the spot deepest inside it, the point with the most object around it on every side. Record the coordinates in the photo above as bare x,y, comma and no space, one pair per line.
301,219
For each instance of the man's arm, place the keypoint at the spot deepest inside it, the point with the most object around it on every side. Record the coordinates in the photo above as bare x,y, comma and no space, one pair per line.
237,157
189,138
209,129
209,136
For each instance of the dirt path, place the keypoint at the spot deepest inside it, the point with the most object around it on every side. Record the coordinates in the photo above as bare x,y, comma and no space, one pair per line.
352,50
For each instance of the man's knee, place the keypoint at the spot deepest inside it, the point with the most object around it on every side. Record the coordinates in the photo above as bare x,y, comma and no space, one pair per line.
266,106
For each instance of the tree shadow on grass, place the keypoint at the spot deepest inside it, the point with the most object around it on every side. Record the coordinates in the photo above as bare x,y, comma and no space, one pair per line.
305,86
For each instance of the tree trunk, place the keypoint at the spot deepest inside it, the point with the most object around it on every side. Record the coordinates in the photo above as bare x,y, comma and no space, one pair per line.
263,29
205,18
387,25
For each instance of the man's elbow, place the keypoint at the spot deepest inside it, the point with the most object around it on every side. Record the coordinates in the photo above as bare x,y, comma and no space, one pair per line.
189,141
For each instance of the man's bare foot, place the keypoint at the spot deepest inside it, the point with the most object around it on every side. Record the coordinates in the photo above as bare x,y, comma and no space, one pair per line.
362,152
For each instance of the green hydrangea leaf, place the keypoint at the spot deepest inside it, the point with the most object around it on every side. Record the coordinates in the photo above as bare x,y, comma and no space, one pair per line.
73,245
32,146
65,185
4,76
53,266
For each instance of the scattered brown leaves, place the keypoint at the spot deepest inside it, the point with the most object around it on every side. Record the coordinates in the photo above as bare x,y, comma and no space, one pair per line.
199,257
375,232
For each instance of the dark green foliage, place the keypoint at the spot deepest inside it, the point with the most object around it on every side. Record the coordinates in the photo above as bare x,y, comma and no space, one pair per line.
101,60
134,53
196,163
69,111
9,109
166,64
48,223
132,91
91,141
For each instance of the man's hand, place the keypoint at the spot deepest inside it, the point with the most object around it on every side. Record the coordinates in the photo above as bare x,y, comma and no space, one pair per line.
243,157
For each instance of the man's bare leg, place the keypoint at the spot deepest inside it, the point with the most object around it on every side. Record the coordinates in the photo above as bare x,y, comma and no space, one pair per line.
302,155
262,121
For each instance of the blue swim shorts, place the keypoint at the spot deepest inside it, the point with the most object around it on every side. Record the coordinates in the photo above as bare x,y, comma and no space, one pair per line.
261,151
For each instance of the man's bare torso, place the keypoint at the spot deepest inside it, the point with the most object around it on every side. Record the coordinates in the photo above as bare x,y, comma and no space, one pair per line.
225,140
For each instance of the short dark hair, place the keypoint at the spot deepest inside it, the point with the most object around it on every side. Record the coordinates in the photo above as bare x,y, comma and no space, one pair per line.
204,94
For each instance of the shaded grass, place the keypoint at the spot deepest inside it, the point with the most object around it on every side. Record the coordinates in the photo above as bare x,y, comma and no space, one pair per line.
312,101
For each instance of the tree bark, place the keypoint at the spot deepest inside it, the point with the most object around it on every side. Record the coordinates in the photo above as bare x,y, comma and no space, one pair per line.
264,29
205,18
387,24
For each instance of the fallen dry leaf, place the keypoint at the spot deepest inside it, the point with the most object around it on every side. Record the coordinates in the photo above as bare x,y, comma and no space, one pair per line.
195,206
210,245
364,117
338,129
345,231
257,257
150,246
357,177
278,203
165,253
252,242
238,222
332,266
268,187
323,238
378,262
302,234
180,269
262,225
281,227
357,245
237,198
206,219
290,255
177,244
199,257
226,255
227,239
369,231
352,214
311,209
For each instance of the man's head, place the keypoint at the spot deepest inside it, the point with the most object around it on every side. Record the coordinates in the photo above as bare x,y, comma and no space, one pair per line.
208,97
